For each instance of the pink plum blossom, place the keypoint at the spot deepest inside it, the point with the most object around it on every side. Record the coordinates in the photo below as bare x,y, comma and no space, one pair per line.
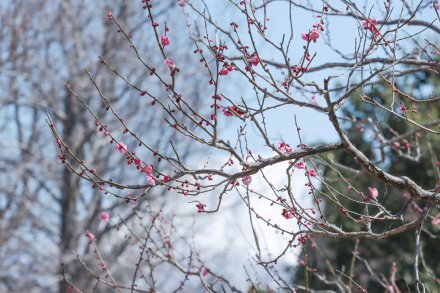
137,162
224,71
105,216
312,36
436,220
312,172
370,24
288,214
300,165
170,63
403,109
284,148
91,236
121,147
246,180
305,36
227,113
151,180
232,110
372,193
254,59
148,170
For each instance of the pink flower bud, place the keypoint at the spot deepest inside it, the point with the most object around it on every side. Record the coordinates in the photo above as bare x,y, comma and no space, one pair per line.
91,236
105,216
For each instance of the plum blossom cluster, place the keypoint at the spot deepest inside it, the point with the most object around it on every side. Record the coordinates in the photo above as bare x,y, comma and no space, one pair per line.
300,165
311,36
246,180
170,63
303,239
219,52
314,34
297,70
371,25
232,111
288,213
226,69
121,147
148,170
254,59
311,172
285,148
132,159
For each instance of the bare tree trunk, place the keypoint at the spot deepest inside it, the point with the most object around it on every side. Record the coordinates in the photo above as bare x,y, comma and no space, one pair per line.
69,189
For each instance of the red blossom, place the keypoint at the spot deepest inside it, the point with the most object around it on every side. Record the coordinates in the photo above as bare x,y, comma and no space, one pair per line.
200,207
300,165
285,148
164,40
312,172
312,36
232,110
254,59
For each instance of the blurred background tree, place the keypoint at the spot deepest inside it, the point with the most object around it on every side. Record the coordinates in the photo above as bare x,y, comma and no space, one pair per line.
45,208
